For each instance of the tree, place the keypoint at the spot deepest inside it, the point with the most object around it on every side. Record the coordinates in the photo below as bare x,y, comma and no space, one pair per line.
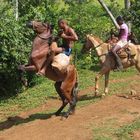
109,13
16,10
127,7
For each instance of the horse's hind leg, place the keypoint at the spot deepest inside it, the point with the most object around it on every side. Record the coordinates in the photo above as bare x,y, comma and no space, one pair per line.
64,101
74,97
69,89
106,83
138,66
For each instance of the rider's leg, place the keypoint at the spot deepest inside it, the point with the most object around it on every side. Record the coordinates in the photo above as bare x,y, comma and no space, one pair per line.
118,60
54,48
46,63
129,53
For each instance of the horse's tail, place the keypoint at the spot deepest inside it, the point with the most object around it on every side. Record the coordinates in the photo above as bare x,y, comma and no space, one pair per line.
75,88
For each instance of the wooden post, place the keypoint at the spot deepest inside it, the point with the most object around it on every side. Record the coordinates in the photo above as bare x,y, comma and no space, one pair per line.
109,13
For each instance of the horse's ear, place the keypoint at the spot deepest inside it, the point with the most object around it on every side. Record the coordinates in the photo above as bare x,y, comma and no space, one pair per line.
52,26
87,35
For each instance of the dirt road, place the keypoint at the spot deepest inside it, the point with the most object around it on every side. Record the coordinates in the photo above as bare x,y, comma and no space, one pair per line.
33,126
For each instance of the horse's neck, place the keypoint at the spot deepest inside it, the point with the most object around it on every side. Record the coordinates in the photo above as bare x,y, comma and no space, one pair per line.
37,42
41,39
102,50
46,34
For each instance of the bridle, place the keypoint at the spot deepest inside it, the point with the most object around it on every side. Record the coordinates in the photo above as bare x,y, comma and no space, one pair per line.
91,49
44,38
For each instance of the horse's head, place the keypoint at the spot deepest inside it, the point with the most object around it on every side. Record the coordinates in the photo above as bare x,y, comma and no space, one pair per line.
91,42
39,27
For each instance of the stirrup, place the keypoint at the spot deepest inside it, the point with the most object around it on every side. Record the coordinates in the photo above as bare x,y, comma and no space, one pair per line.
118,69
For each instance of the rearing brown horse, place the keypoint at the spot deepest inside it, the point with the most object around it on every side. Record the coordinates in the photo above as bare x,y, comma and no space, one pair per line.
66,83
107,60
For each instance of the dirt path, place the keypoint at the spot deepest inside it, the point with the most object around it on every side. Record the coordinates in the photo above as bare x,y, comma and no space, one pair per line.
32,125
77,126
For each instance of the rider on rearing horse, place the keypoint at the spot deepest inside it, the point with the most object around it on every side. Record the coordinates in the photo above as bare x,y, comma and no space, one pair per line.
123,36
68,36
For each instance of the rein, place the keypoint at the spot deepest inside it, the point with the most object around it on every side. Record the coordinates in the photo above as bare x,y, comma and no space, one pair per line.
101,54
97,47
44,38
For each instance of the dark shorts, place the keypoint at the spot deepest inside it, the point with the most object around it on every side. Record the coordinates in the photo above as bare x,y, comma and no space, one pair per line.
67,51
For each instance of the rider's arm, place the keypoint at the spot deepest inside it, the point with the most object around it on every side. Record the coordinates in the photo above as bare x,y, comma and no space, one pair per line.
72,37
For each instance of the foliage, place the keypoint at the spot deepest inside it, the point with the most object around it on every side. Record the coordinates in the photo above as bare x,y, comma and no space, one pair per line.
133,15
126,131
85,16
44,91
14,48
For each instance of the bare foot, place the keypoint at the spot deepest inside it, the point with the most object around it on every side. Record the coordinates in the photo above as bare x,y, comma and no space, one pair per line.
40,73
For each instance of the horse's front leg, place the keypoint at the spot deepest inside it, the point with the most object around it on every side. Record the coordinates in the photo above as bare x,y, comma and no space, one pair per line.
97,83
27,68
103,71
106,83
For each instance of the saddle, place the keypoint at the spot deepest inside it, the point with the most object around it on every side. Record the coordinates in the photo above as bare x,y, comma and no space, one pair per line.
60,62
128,51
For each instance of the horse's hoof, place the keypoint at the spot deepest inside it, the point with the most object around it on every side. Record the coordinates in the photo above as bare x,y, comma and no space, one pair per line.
21,67
57,113
103,95
63,118
53,116
96,93
72,112
66,115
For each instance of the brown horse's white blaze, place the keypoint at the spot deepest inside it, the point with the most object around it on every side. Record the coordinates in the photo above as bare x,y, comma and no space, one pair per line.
107,61
66,83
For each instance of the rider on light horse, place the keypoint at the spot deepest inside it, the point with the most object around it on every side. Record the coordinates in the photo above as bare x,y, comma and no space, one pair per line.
123,36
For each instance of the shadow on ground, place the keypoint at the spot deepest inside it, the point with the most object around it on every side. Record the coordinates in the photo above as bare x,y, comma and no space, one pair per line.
17,120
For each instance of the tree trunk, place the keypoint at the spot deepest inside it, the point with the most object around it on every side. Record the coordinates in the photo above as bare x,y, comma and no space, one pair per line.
16,10
127,6
109,13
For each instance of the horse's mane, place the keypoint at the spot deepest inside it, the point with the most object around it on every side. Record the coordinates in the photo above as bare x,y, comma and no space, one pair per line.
97,38
103,45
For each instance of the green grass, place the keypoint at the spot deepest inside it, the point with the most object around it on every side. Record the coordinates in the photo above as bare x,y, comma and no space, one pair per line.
109,130
125,132
44,90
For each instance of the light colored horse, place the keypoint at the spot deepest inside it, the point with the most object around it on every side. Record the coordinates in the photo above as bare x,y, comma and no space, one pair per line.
107,59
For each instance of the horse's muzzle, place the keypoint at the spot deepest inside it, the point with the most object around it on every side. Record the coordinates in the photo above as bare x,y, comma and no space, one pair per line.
29,24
